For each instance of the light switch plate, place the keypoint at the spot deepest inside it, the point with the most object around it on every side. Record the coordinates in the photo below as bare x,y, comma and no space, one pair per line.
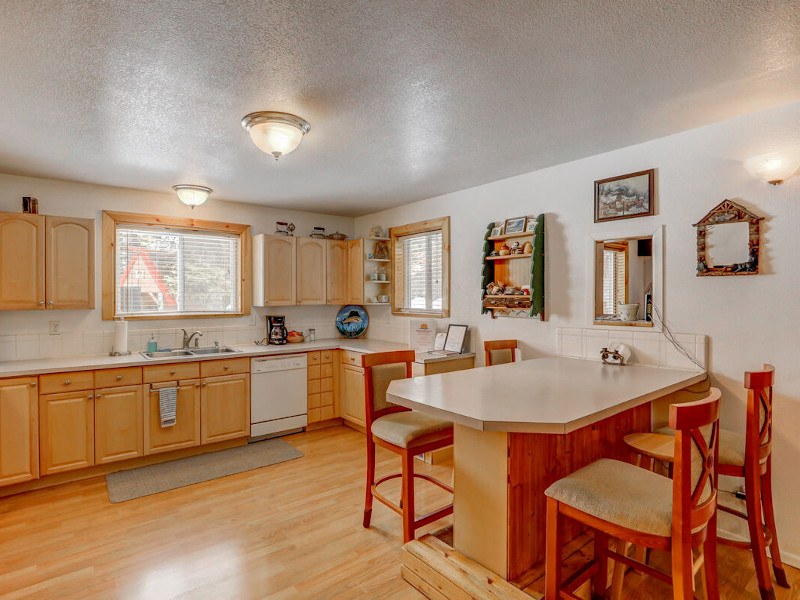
55,327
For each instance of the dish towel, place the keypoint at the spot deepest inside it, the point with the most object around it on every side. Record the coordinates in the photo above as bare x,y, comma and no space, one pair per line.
167,401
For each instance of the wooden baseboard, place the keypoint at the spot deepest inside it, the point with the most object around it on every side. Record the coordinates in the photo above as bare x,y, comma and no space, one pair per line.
439,572
324,424
354,425
437,457
78,475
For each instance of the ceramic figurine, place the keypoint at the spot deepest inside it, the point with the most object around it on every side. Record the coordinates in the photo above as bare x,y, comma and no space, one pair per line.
527,248
504,250
516,248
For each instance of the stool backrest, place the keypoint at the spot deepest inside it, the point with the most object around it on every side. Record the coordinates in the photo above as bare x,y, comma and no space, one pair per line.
758,437
500,352
380,369
694,485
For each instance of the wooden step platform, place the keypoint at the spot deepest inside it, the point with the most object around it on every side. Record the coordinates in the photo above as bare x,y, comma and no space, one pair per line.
441,573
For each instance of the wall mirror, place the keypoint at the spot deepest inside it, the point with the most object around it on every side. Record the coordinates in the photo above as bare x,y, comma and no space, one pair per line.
728,241
623,290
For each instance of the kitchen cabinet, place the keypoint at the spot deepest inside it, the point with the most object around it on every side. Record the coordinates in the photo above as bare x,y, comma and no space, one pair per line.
322,386
21,261
355,272
19,430
274,270
66,431
118,417
336,279
353,409
46,262
186,431
224,408
311,271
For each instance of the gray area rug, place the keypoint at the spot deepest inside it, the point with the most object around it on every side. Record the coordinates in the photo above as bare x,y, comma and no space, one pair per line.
152,479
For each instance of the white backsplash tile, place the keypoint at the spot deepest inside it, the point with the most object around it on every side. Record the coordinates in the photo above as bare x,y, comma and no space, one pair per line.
8,347
27,347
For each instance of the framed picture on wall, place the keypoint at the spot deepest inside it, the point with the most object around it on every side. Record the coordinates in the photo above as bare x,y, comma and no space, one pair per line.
624,196
516,225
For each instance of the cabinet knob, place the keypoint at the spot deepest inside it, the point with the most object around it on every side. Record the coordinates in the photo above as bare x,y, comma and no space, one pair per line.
204,384
172,372
227,367
41,303
119,377
33,384
90,396
50,302
196,385
67,382
97,396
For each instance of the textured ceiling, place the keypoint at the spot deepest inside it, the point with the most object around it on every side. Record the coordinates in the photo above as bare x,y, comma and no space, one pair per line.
406,99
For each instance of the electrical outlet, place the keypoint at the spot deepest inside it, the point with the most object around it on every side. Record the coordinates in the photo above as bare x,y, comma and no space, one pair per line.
55,327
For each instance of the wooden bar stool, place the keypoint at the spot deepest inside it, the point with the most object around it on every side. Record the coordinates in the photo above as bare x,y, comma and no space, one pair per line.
406,432
748,457
620,500
500,352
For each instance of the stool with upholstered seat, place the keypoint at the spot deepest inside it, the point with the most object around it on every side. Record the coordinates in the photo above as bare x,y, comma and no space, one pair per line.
748,457
623,501
500,352
403,431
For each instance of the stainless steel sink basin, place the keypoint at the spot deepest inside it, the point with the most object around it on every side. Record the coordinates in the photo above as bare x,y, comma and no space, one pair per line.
166,353
212,350
188,352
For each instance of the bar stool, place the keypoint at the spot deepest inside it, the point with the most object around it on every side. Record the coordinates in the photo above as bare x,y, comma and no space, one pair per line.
747,457
500,352
402,431
621,500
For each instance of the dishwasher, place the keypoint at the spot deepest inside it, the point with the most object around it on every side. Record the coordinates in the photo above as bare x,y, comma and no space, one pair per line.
278,395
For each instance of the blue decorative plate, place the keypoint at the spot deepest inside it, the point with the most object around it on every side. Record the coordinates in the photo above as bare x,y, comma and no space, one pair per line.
352,321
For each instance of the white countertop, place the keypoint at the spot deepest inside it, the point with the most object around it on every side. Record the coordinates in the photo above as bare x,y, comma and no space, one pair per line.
16,368
544,395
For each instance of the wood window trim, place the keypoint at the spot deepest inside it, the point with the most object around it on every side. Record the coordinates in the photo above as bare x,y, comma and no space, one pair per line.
110,220
441,224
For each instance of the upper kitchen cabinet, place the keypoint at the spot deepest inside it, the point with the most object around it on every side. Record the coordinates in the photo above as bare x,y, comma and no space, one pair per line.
46,262
355,271
337,272
21,261
274,270
311,270
69,262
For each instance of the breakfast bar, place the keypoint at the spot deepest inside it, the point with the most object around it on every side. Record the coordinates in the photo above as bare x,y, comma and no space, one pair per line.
521,426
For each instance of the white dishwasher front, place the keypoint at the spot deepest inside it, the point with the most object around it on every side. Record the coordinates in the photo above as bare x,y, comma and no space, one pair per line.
278,394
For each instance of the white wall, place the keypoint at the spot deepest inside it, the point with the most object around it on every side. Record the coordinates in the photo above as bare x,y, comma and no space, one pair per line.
750,320
24,334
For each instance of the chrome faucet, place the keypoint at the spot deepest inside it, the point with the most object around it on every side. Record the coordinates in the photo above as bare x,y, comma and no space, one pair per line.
188,337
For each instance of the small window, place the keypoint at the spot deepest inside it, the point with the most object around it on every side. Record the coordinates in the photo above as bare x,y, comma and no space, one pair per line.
615,277
421,268
161,270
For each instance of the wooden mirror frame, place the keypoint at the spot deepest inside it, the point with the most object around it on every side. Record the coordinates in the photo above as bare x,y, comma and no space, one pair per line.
724,213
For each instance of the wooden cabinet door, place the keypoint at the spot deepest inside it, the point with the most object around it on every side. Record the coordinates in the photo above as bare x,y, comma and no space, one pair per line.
353,408
225,408
278,266
118,416
337,272
19,430
21,261
186,431
355,272
311,271
69,262
66,431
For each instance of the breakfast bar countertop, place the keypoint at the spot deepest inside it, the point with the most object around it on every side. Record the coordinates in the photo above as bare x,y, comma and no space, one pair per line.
544,395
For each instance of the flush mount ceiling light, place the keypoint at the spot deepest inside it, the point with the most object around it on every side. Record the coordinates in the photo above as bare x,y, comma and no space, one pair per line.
275,133
774,167
192,195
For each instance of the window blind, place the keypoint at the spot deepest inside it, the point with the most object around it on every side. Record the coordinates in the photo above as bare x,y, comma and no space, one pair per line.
422,271
162,271
614,291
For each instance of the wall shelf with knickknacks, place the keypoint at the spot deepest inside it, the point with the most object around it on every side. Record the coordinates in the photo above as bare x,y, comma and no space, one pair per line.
377,270
513,268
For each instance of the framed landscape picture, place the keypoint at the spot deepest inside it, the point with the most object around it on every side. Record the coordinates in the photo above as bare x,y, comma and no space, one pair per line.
516,225
625,196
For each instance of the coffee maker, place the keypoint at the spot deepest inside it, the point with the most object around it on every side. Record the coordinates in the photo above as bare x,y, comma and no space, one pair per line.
276,329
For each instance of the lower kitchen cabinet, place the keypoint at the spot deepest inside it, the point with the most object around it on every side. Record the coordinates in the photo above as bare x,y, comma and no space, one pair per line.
186,431
118,415
66,431
225,408
19,430
353,409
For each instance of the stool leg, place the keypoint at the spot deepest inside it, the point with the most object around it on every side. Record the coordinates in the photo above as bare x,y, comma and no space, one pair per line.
752,492
618,578
682,569
554,542
408,497
370,480
600,579
769,517
710,575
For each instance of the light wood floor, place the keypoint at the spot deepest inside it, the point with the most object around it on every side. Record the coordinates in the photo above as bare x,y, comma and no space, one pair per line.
286,531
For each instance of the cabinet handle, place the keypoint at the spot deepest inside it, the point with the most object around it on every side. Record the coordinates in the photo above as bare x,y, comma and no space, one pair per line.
41,303
89,397
97,396
50,303
119,377
172,372
204,384
227,367
67,382
33,384
196,385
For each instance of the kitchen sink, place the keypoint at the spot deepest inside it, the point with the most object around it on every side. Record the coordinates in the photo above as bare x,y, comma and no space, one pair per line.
188,352
212,350
166,353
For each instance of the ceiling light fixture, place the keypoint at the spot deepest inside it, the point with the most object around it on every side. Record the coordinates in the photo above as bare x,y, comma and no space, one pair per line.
774,167
275,133
192,195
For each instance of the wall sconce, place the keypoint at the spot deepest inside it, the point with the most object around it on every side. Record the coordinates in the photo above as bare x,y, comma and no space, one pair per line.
774,167
192,195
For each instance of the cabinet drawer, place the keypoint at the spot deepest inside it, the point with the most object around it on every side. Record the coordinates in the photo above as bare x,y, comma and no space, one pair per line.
352,358
171,372
326,399
314,358
56,383
228,366
314,401
327,356
326,370
117,377
314,386
325,385
313,372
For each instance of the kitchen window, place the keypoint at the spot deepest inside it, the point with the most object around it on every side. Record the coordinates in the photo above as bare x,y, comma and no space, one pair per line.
161,267
615,276
421,280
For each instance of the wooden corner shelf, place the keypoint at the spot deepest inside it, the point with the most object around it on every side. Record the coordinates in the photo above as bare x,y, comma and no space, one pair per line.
509,256
500,238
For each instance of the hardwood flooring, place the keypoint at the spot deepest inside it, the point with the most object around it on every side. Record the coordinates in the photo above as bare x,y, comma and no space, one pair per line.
286,531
